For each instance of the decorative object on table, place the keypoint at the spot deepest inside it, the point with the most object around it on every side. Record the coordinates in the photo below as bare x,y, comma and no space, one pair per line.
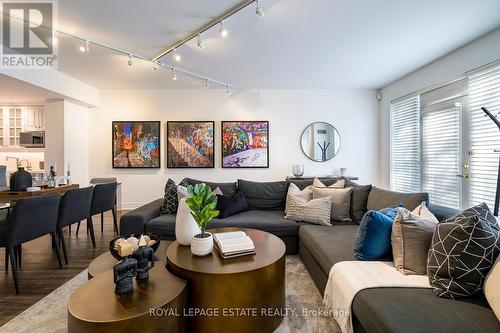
136,144
185,225
124,270
20,180
343,172
152,240
464,248
233,244
33,189
190,144
144,255
298,170
320,141
245,144
203,203
497,195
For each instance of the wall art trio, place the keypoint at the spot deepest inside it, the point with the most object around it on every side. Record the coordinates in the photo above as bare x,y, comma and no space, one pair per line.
190,144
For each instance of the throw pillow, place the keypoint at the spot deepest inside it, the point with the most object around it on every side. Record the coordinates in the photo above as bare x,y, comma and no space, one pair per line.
411,239
295,192
338,184
341,201
463,251
492,288
315,211
228,206
359,200
170,199
425,213
374,235
264,195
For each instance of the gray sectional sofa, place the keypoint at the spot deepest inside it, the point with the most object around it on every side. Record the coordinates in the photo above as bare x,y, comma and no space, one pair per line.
320,247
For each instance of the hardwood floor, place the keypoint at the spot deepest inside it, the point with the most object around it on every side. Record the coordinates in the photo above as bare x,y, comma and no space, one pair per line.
40,274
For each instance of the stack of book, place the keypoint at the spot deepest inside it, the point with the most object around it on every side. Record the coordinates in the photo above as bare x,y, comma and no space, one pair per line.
233,244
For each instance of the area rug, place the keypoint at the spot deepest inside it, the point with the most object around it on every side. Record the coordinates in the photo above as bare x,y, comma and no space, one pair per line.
303,300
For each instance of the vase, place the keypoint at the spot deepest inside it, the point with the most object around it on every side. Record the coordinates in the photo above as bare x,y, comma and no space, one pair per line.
298,170
202,246
185,225
20,180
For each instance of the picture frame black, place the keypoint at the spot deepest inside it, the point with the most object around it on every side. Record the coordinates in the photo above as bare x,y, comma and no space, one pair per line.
134,122
244,166
170,162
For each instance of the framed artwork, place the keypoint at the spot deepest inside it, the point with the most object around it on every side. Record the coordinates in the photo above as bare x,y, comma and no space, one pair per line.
190,144
245,144
136,144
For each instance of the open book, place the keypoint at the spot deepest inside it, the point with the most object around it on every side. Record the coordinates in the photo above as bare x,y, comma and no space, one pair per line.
233,244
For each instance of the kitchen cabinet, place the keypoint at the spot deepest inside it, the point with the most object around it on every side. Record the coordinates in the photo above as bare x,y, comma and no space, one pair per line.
34,118
16,119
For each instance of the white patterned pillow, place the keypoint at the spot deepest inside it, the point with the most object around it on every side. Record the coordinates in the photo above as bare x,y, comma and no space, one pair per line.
315,211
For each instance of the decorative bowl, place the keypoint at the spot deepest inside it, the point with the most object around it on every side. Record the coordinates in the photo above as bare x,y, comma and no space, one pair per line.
151,236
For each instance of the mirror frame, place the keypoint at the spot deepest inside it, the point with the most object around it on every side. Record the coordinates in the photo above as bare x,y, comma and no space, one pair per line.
320,122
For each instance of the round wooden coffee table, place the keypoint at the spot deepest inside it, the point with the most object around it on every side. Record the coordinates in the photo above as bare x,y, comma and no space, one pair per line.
244,294
106,261
154,306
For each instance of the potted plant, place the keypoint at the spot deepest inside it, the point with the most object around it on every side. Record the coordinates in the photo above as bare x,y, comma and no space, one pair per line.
202,202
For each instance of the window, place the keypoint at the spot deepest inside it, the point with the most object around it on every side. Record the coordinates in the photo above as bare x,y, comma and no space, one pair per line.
442,143
405,150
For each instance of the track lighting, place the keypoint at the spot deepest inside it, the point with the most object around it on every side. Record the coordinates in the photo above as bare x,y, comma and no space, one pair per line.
207,84
176,56
85,48
200,42
130,60
81,48
258,10
223,32
174,75
228,92
156,66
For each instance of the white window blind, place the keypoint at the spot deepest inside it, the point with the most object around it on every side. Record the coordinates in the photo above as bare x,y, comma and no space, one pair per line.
441,152
405,145
484,91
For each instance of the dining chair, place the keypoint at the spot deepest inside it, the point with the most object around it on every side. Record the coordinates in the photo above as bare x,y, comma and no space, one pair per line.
30,219
75,207
103,200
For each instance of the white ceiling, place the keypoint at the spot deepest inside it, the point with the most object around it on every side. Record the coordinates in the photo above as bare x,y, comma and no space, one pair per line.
15,91
297,44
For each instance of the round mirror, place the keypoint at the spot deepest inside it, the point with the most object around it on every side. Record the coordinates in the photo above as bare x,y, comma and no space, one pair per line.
320,141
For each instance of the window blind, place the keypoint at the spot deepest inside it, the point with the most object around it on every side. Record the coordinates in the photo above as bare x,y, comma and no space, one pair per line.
405,145
484,91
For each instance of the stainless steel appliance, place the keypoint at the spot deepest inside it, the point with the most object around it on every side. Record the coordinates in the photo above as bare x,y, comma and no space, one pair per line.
34,139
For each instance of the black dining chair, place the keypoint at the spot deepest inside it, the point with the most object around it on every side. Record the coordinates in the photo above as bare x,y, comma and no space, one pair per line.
30,219
103,200
75,207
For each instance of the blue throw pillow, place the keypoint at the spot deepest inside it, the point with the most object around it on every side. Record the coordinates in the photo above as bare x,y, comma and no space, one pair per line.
374,234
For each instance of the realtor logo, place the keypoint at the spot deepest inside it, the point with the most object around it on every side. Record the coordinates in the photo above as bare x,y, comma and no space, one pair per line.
28,34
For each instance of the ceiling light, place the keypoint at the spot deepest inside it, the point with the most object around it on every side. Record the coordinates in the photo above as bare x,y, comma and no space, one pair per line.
85,48
130,60
200,42
156,66
228,92
223,32
207,84
176,56
82,48
174,74
258,10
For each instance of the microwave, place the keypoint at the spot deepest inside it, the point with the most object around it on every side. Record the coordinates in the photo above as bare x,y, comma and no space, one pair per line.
35,139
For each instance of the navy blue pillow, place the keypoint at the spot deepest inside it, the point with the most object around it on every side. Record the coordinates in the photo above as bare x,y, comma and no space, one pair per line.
374,234
228,206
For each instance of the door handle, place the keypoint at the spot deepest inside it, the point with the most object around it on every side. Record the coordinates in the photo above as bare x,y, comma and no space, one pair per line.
465,175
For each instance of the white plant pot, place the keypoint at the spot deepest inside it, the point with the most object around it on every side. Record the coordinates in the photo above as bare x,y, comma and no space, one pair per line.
202,246
185,225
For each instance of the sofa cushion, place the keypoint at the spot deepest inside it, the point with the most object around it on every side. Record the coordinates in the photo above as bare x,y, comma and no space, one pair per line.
329,244
380,198
226,188
264,195
229,206
415,310
373,240
270,221
341,201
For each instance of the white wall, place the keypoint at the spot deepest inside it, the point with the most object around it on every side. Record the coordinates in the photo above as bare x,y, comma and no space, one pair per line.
54,135
76,142
353,112
480,52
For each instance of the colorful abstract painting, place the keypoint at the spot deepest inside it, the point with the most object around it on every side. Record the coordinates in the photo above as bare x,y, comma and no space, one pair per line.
190,144
136,144
245,144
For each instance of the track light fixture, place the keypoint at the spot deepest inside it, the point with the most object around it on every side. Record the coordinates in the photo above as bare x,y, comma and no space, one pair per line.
176,56
81,48
207,84
228,92
174,75
258,10
156,65
200,42
130,62
85,48
223,31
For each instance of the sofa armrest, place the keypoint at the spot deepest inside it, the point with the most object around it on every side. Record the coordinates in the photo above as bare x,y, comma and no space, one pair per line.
133,222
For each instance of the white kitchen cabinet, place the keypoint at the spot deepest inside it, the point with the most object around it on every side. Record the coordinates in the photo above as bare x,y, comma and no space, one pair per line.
15,119
34,118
